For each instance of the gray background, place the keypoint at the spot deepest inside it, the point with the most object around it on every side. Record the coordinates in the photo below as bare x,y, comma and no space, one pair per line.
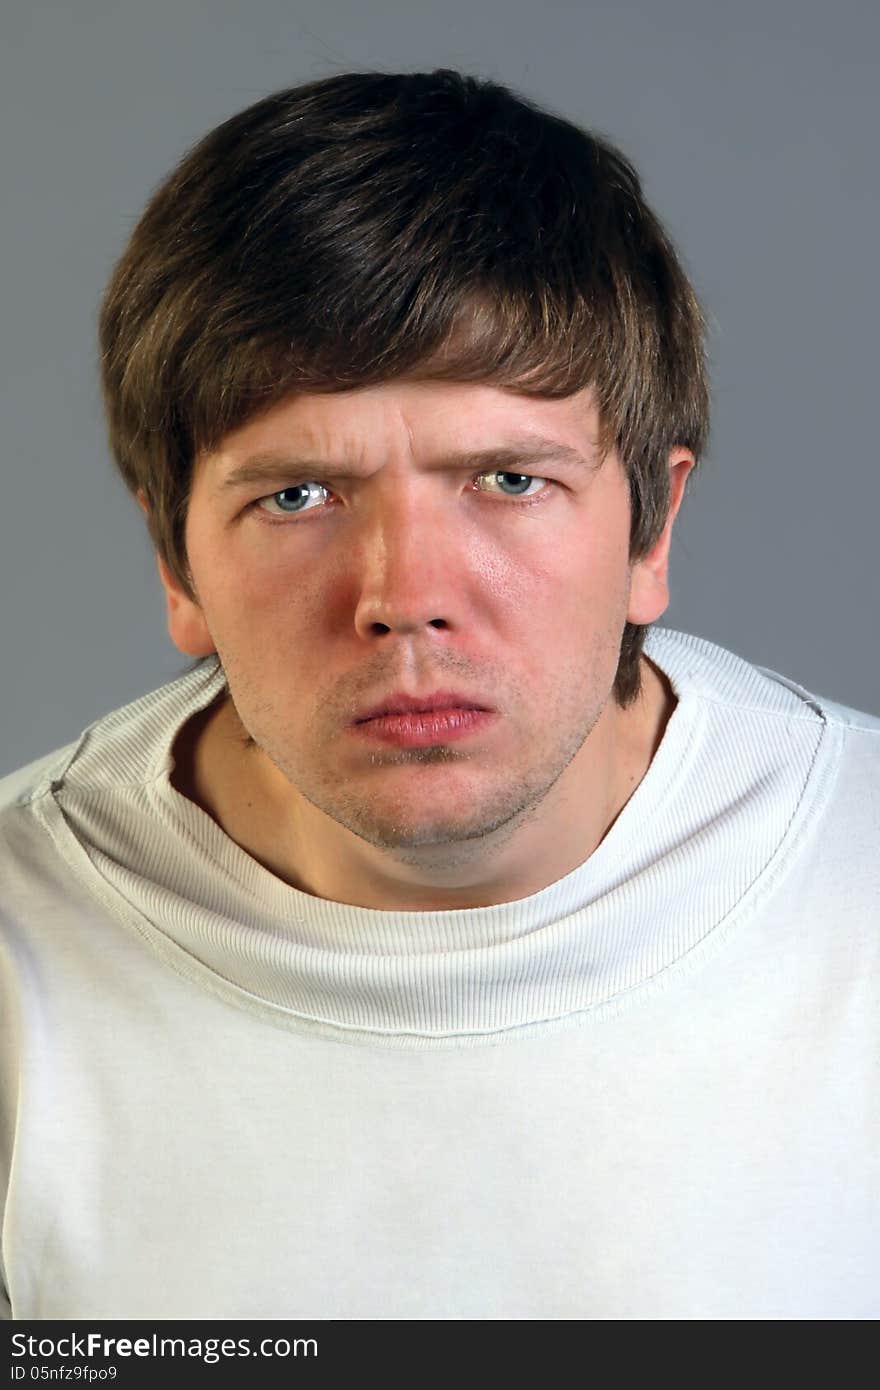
754,127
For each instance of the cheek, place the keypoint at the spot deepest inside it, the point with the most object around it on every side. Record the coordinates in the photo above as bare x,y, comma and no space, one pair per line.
558,557
583,579
508,582
256,589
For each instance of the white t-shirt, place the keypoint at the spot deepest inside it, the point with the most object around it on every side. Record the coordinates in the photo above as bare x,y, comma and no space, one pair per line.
650,1090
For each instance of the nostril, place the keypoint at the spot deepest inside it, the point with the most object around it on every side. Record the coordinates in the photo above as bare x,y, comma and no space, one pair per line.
382,628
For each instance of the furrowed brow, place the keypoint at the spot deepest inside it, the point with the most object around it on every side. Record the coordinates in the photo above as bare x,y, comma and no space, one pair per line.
273,467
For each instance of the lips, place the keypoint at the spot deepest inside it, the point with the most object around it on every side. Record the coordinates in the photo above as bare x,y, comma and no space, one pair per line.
400,703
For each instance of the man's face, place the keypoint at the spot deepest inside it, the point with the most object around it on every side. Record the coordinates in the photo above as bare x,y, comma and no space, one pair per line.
392,560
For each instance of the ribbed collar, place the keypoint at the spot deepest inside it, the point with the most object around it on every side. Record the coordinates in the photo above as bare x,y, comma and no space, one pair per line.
717,815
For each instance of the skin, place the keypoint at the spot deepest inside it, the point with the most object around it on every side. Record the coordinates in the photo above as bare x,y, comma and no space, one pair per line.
414,574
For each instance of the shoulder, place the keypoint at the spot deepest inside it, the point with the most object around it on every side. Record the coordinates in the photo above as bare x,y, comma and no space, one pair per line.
830,710
857,740
710,672
123,748
817,751
22,789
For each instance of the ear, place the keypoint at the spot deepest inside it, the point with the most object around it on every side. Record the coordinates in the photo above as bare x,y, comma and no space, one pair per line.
649,587
186,621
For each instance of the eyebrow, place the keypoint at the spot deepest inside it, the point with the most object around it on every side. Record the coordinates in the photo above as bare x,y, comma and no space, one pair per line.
270,466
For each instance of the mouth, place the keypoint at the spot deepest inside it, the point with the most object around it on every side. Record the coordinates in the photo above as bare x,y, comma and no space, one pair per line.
425,728
439,702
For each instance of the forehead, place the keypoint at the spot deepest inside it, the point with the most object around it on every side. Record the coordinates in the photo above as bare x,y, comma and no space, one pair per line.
426,419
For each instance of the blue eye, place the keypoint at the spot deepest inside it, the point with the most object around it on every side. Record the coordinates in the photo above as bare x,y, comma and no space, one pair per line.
297,495
518,481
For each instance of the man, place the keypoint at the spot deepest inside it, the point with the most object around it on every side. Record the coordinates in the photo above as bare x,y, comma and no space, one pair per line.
447,941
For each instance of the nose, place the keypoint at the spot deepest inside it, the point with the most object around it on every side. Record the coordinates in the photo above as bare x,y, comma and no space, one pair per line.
407,562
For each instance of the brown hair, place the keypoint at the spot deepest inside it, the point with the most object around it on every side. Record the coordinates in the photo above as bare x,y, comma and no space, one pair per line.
373,225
